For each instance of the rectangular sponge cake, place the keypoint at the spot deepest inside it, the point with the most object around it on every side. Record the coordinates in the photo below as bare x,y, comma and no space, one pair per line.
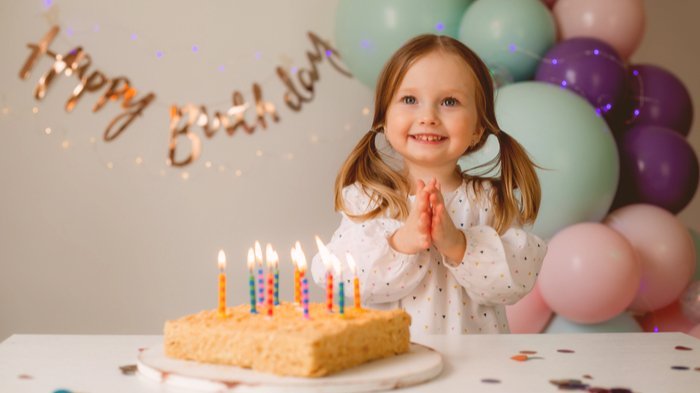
287,344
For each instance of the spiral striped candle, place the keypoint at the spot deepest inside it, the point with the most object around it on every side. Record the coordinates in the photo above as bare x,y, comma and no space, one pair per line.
329,291
277,285
222,284
261,273
270,306
297,287
304,294
341,297
251,280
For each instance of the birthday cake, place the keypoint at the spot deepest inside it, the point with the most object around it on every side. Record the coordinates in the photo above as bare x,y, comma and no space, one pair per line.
287,343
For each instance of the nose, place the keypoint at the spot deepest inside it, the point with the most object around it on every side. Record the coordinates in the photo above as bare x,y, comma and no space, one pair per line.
428,117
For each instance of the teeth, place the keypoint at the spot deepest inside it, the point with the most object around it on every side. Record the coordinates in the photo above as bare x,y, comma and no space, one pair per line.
428,138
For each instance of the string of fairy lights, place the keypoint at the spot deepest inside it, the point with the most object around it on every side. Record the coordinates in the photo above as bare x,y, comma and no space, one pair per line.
69,36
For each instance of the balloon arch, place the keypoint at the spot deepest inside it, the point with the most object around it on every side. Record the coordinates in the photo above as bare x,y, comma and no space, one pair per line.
611,135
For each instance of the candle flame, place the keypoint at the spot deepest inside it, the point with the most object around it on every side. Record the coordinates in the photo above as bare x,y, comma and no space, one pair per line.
270,256
258,253
351,263
325,254
251,259
222,260
338,267
301,259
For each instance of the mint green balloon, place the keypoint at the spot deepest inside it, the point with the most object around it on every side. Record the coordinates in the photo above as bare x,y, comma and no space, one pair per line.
368,32
622,323
509,34
565,136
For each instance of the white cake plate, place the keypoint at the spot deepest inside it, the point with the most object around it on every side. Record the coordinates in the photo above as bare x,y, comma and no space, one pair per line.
418,365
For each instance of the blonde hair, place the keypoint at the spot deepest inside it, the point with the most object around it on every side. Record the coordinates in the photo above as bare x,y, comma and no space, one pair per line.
388,189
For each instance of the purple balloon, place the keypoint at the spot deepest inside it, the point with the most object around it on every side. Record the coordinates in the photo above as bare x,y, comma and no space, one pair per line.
589,67
657,166
657,97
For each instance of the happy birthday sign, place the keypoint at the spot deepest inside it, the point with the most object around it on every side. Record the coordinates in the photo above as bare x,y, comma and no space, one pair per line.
183,119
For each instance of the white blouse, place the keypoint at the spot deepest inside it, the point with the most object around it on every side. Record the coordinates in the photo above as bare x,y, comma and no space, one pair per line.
469,298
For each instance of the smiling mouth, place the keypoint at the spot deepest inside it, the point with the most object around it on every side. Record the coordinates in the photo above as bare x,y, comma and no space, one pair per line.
431,138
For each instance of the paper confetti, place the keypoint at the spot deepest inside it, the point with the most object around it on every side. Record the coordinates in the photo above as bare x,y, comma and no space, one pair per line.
129,369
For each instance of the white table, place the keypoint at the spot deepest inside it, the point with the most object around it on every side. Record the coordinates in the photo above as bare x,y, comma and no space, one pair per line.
641,362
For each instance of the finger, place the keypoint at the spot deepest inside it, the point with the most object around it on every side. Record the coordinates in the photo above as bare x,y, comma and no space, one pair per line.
420,185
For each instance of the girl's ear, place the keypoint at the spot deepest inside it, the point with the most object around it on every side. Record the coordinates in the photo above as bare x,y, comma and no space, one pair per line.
478,133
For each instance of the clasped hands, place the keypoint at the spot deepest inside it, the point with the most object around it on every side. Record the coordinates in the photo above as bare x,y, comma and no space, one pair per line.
428,224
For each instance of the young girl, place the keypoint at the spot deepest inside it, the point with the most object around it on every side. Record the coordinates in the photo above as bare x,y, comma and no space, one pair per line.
445,246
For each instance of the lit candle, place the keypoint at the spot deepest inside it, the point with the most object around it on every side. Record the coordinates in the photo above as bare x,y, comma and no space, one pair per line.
251,280
301,261
222,284
326,258
277,279
270,259
356,280
341,285
261,274
297,278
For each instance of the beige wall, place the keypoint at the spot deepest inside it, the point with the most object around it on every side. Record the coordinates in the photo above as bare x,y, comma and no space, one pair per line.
88,249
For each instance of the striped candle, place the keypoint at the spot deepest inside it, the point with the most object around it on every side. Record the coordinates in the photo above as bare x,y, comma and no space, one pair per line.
277,281
329,291
305,294
296,250
251,280
222,284
270,261
338,267
303,282
301,261
328,263
261,274
270,306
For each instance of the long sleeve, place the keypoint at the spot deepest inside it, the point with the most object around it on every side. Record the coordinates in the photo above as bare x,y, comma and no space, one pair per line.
385,274
498,269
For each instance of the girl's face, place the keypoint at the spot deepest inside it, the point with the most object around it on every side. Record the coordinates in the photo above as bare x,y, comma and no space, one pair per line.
432,118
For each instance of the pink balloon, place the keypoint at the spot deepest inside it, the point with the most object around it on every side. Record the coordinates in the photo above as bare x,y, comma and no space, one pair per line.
530,314
695,332
620,23
590,273
664,249
667,319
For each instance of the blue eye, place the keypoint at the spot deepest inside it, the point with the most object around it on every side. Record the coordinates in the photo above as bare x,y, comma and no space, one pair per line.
408,99
450,101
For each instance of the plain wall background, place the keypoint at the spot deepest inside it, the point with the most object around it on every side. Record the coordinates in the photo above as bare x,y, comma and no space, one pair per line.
89,249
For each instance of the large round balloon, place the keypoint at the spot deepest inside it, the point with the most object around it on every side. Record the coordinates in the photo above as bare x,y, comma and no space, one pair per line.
657,97
696,243
572,144
368,32
664,249
589,67
657,166
507,34
590,273
530,314
621,323
619,22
